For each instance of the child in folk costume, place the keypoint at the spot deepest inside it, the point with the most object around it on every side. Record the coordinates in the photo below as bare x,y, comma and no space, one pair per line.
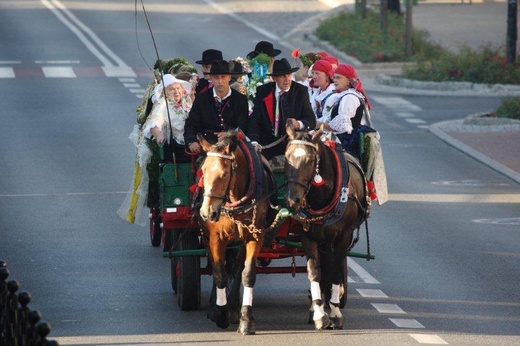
163,126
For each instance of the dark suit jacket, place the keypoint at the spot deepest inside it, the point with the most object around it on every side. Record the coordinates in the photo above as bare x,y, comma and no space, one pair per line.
204,118
261,127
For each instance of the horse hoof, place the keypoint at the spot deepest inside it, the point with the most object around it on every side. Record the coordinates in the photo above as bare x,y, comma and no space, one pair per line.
221,316
322,323
336,322
247,324
247,327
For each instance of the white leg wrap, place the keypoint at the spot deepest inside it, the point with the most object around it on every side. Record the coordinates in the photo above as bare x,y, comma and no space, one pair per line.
221,297
315,290
247,298
335,311
319,312
334,297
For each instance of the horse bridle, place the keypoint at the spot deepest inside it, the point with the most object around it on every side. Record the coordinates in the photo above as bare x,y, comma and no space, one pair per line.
316,161
233,168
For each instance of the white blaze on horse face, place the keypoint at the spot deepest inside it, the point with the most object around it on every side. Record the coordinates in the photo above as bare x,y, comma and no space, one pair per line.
299,152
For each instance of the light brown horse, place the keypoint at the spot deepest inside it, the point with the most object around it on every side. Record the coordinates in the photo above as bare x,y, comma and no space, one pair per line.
234,208
328,196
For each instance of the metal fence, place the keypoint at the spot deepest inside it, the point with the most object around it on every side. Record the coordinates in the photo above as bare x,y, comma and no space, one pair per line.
19,325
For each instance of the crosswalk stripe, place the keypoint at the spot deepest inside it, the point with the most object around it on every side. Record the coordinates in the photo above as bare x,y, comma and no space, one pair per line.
7,72
396,103
429,339
58,72
72,72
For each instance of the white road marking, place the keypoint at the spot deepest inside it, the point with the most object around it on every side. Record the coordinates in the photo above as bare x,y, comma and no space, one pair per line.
371,293
502,221
406,323
131,85
429,339
137,91
415,121
58,72
388,308
7,72
396,103
90,40
455,198
10,62
57,62
127,80
405,114
362,273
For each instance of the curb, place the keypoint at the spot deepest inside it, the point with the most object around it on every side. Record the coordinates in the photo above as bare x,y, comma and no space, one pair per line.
436,130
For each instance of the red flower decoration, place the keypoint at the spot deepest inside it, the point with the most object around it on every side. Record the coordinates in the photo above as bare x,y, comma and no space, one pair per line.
331,144
240,136
295,53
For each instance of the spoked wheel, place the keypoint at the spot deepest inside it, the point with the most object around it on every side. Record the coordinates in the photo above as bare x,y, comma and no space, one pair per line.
171,237
188,278
155,227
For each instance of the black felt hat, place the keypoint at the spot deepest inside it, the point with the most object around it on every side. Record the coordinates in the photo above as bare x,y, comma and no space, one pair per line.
210,55
237,69
220,67
264,47
281,67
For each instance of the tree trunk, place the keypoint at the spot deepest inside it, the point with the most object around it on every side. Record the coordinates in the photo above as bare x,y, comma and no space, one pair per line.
512,31
383,17
394,6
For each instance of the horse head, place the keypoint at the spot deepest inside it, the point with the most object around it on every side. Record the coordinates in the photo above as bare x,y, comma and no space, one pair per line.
218,172
301,161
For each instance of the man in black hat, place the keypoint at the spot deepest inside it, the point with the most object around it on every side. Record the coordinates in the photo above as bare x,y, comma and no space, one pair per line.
267,48
276,103
218,109
208,56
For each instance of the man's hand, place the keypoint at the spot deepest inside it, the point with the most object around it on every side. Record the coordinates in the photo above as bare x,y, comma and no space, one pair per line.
194,147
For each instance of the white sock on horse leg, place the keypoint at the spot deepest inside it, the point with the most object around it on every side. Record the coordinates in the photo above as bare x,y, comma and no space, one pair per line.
319,312
334,297
221,297
315,291
247,298
335,311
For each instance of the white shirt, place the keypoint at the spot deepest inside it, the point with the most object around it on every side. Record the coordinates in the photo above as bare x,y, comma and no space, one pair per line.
348,105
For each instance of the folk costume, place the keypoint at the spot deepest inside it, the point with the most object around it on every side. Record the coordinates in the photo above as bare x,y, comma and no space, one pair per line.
272,108
210,114
144,191
350,122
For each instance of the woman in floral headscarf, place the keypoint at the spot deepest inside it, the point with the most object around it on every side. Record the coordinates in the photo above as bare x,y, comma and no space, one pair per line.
164,126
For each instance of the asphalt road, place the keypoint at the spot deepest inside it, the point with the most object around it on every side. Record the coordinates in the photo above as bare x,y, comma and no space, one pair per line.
445,244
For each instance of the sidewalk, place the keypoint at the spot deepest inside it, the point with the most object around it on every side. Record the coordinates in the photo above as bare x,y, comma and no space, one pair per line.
493,141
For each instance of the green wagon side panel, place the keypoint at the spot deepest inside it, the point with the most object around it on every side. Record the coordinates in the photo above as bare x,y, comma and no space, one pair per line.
174,183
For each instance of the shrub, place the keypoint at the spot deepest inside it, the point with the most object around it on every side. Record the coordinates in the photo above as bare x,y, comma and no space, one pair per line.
486,65
362,38
510,108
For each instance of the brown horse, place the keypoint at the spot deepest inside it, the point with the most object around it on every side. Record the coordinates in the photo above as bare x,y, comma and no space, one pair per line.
327,195
234,208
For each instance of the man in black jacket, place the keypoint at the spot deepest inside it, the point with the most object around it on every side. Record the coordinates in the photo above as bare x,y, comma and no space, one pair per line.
276,103
218,109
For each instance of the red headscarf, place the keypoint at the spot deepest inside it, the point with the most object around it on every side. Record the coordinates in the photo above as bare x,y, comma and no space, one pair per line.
323,66
331,59
349,72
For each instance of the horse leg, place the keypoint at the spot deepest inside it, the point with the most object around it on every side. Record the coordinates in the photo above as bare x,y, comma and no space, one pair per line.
247,325
220,312
338,277
234,267
320,318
